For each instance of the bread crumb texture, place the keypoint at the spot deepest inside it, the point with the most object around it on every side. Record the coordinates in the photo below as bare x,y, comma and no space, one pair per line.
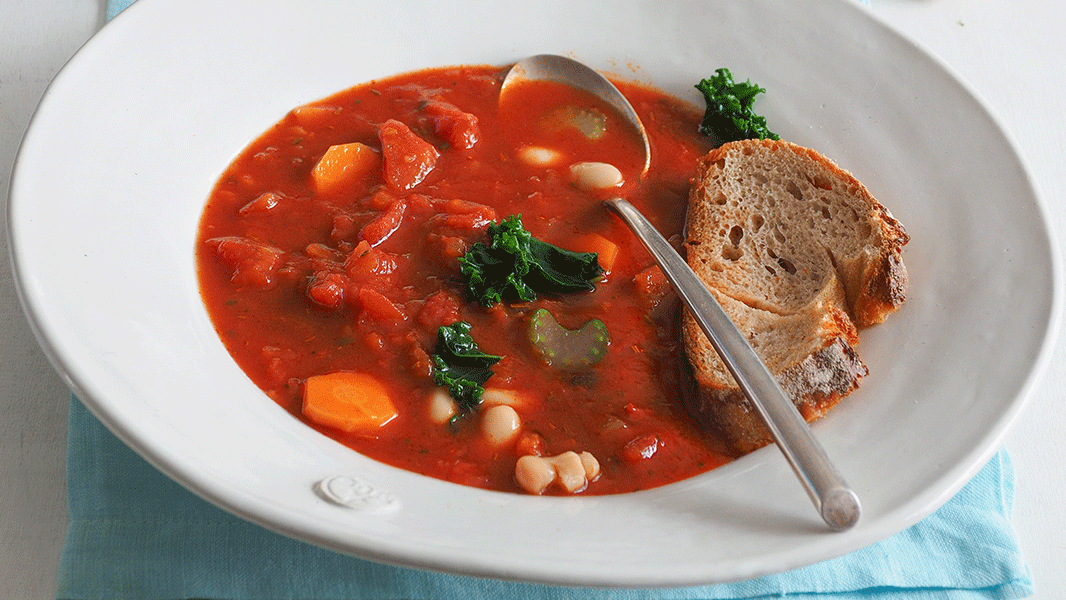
800,256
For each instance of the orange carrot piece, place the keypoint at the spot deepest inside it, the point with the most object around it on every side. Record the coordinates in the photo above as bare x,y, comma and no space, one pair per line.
606,250
343,164
347,401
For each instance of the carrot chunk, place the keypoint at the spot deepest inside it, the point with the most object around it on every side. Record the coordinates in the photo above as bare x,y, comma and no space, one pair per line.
347,401
342,165
606,251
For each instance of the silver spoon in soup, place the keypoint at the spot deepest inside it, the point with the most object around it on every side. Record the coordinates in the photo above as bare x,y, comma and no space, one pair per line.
832,496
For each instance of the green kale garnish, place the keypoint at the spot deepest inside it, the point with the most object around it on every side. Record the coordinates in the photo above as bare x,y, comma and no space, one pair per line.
514,265
460,366
729,116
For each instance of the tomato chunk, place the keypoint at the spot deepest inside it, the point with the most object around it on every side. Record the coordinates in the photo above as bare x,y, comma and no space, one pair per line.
261,205
379,308
652,285
254,263
385,224
366,264
440,309
327,289
408,158
458,128
641,448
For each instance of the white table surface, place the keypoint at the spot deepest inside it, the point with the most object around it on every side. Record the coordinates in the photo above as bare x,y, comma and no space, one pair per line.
1012,53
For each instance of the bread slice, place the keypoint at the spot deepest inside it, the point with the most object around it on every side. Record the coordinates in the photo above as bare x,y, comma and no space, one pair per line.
800,256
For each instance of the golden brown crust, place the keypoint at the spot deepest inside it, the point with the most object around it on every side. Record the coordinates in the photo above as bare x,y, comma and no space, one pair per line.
727,410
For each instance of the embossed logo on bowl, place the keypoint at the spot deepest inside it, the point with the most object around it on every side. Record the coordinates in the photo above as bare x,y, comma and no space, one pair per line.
351,492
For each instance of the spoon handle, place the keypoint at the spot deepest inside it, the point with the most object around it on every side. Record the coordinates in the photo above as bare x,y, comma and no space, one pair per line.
832,496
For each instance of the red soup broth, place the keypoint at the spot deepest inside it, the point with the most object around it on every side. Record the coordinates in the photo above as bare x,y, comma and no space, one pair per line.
304,279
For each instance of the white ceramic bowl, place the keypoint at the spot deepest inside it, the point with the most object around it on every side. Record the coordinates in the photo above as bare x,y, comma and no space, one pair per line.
132,134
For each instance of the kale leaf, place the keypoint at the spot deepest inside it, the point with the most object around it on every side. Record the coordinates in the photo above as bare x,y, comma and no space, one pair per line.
514,265
729,116
460,366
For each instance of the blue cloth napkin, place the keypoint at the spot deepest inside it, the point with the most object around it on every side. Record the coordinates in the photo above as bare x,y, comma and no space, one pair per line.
136,534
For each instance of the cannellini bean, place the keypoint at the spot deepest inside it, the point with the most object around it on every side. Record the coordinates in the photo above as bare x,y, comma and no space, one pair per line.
591,465
500,424
587,176
569,471
495,396
534,474
441,406
538,156
572,471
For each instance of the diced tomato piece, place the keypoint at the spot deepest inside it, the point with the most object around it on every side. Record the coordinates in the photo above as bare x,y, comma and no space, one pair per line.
530,443
452,247
458,128
379,200
421,363
379,308
374,341
463,215
366,264
652,285
344,228
261,205
418,202
278,363
408,158
466,207
254,263
322,251
385,224
314,115
440,309
641,448
327,289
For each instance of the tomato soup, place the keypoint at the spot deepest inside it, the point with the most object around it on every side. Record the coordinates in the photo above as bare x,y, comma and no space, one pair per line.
329,256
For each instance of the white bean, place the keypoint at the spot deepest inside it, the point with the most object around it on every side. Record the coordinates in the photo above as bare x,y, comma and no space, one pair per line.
587,176
570,473
441,406
538,156
534,474
500,424
591,465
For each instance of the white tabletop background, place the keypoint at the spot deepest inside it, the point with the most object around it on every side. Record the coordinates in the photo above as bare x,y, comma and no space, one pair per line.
1012,53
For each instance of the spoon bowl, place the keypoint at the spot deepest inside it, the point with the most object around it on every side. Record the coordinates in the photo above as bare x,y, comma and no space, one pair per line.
560,69
834,499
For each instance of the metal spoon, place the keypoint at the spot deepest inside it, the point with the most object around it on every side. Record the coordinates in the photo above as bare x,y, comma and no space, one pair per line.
832,496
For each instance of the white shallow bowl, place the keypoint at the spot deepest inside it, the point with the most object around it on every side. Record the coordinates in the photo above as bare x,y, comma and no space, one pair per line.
131,136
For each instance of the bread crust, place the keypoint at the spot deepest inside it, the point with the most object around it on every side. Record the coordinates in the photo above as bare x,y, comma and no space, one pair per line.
801,256
727,410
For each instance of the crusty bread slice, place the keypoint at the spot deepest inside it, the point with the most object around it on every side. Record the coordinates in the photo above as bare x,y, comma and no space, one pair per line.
800,256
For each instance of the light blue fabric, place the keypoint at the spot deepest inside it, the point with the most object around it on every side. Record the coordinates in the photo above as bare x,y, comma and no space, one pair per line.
116,6
136,534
